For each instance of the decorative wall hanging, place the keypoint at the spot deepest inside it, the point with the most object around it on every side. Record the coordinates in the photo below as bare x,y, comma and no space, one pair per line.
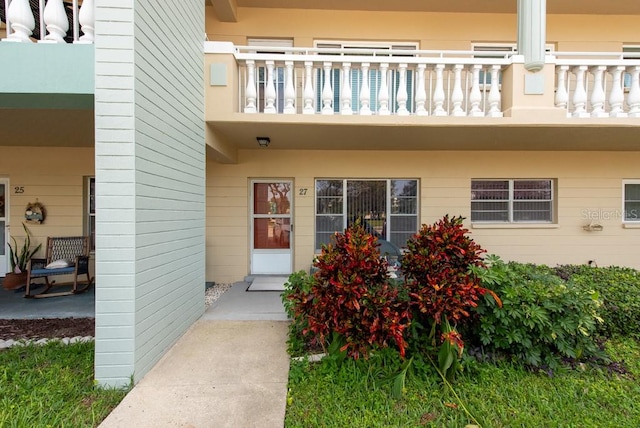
35,213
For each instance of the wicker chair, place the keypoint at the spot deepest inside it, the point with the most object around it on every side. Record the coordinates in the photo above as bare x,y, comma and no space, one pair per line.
65,256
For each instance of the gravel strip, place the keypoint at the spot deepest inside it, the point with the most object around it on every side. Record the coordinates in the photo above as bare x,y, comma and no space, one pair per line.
213,293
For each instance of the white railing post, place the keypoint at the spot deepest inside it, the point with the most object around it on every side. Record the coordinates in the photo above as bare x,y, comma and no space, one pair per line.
8,21
327,90
475,96
20,15
55,19
562,95
402,96
383,94
616,96
597,93
289,90
345,94
580,93
87,21
438,94
250,92
270,90
421,93
633,98
308,88
365,96
494,93
457,97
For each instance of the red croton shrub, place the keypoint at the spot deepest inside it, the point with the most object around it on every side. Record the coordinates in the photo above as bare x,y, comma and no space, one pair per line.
351,295
436,269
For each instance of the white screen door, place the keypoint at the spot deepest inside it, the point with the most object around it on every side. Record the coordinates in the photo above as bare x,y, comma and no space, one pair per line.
271,227
4,214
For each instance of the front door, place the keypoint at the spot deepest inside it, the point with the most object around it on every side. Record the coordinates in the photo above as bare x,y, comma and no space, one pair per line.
272,231
4,214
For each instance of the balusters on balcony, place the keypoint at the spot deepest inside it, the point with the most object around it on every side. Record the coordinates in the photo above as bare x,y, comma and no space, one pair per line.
457,97
475,96
562,95
633,99
365,96
616,97
438,94
597,94
308,88
402,95
580,93
21,21
421,92
345,95
53,21
251,93
327,90
494,93
289,90
383,94
270,90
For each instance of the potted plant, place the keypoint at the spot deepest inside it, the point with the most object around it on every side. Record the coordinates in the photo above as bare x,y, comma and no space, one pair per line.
18,259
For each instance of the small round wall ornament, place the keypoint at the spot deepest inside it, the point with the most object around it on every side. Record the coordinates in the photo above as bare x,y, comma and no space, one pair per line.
35,213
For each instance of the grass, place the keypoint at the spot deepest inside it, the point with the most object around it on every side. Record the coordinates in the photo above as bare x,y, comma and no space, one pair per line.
502,395
52,386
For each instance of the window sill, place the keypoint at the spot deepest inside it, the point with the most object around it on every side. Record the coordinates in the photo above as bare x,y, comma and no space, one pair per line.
514,226
631,225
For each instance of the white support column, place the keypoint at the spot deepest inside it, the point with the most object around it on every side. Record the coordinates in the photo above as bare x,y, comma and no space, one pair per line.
457,96
365,95
421,93
532,17
345,94
616,96
580,93
475,96
327,90
402,96
270,90
597,93
633,98
383,94
22,21
562,95
251,94
55,19
438,94
289,90
308,88
494,93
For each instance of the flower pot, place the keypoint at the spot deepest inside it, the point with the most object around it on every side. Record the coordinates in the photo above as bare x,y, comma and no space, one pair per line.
13,281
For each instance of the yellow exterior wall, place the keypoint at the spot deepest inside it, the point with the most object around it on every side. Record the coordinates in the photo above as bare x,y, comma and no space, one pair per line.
54,177
588,183
440,31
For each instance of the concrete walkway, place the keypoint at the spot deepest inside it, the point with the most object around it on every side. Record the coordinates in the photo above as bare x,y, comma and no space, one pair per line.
230,369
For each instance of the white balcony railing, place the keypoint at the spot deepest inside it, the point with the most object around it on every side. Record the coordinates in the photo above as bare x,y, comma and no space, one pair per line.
369,82
53,22
596,84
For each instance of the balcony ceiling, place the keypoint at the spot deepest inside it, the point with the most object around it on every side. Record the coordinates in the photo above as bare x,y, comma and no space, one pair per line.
598,7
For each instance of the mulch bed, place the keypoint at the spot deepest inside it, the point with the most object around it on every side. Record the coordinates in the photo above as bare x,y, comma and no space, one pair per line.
46,328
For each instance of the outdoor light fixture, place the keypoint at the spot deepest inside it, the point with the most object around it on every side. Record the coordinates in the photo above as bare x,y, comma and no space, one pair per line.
263,141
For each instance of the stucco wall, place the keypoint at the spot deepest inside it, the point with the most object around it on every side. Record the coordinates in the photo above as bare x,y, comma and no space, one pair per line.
588,184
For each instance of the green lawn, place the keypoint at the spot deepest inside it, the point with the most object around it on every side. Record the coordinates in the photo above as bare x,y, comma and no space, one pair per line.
52,386
503,395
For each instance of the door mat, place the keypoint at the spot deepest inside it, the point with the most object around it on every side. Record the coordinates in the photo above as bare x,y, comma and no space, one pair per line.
268,283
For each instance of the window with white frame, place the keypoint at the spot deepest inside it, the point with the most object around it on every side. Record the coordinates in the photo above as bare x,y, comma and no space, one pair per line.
629,52
512,201
631,200
90,210
387,208
393,78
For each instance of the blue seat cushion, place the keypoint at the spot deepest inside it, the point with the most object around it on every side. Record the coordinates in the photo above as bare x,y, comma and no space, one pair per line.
49,272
